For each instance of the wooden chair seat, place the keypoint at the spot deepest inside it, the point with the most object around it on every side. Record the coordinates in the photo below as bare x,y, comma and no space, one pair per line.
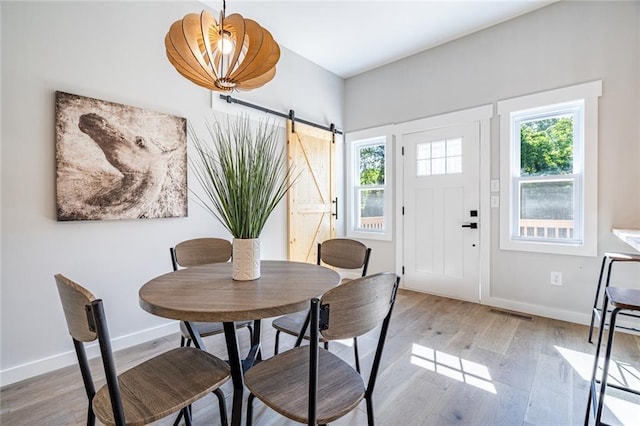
163,385
311,385
340,387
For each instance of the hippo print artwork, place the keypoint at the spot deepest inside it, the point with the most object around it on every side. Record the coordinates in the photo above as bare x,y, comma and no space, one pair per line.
114,161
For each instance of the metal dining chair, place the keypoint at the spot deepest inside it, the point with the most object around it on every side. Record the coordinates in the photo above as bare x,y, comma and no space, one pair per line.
311,385
608,261
152,390
200,251
340,253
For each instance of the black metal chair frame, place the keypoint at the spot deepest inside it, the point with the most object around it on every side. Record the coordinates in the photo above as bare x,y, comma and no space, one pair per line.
317,324
305,324
607,261
597,399
97,318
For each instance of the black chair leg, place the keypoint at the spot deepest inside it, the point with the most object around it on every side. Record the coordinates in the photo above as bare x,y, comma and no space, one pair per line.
91,418
277,345
222,406
187,415
355,353
250,409
595,300
592,384
182,341
369,400
250,332
326,345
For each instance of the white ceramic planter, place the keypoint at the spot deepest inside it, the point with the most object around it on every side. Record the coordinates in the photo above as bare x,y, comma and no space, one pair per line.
246,259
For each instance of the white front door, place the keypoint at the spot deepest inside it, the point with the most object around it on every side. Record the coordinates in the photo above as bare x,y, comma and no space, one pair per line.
441,211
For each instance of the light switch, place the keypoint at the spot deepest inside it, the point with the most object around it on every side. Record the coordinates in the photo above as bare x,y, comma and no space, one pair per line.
495,185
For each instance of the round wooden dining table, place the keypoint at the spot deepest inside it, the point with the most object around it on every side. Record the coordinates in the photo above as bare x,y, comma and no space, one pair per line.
207,293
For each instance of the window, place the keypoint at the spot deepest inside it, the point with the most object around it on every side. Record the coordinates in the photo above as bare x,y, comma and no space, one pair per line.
369,194
439,157
548,144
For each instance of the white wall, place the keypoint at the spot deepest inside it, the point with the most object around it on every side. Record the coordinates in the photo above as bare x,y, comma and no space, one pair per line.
559,45
112,51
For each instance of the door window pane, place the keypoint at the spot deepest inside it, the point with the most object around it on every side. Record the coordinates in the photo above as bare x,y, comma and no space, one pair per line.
439,157
454,147
438,149
438,166
454,164
423,167
423,151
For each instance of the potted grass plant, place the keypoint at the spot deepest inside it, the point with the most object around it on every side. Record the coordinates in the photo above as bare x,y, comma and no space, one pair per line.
244,174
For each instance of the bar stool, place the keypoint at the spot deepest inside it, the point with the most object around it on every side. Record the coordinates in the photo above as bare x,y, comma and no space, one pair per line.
622,299
609,258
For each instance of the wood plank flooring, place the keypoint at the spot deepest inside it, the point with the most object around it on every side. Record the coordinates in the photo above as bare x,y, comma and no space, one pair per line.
446,362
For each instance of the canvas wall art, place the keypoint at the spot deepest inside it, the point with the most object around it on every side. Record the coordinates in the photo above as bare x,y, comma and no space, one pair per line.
115,161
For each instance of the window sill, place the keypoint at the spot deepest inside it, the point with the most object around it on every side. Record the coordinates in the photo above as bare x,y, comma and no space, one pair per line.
362,235
585,249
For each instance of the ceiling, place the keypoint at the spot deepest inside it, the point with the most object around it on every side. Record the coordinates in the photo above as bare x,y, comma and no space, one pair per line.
351,37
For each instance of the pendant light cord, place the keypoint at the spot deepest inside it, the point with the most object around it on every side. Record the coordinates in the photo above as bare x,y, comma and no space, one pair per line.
222,16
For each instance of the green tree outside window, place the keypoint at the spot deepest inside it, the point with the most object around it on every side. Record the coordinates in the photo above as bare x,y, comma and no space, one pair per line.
546,147
372,165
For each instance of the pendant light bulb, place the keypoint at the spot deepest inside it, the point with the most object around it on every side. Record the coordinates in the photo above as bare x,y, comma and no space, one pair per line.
225,44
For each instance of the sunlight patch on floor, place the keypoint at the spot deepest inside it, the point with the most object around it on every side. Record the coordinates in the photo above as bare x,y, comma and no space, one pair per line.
580,361
625,411
620,373
454,367
344,342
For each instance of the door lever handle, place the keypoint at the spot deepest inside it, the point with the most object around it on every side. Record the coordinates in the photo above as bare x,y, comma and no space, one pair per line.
472,225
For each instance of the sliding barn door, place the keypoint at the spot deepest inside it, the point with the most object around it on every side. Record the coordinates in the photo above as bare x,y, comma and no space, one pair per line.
311,207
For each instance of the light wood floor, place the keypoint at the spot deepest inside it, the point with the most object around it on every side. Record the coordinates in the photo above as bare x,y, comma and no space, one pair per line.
446,362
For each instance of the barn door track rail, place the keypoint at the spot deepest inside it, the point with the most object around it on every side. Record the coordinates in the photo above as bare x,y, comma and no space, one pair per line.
292,115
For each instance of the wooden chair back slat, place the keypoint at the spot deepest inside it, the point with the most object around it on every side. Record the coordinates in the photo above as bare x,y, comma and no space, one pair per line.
343,253
358,306
147,392
201,251
74,300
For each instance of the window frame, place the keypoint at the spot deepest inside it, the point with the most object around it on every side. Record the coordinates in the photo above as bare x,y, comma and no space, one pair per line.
581,101
355,141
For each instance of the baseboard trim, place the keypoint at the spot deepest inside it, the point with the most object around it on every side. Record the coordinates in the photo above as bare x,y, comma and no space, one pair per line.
45,365
525,308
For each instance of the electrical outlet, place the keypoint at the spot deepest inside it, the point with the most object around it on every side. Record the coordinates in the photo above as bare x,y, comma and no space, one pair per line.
495,185
495,201
556,278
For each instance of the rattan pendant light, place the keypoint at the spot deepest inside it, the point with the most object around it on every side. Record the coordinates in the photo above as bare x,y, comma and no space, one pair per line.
232,54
